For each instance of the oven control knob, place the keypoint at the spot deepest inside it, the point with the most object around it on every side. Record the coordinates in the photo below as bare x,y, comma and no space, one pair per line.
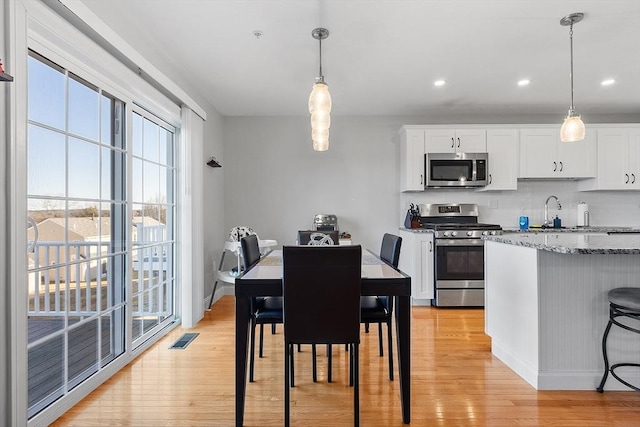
485,233
446,233
454,233
493,233
469,233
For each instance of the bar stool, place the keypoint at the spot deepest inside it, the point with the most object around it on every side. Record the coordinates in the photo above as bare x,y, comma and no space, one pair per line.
623,302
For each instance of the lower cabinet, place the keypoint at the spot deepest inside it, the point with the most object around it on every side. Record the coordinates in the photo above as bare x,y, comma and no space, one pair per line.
417,257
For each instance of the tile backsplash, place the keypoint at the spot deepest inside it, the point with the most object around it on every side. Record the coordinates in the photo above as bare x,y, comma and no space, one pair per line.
607,208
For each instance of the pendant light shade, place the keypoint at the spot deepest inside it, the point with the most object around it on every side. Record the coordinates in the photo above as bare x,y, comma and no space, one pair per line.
320,103
573,128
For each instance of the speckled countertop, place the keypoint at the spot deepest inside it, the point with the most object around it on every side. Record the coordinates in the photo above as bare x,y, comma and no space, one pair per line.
594,229
573,243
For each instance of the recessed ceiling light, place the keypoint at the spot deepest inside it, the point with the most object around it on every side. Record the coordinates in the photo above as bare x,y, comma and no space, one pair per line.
608,82
524,82
439,83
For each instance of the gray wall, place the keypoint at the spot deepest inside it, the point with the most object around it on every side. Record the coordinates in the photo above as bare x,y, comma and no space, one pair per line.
275,182
5,385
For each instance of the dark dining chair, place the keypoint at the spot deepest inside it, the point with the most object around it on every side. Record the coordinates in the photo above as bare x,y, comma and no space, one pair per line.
331,275
310,237
264,310
379,309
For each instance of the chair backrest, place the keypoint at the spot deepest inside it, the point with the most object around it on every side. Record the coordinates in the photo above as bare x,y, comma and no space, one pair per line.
250,250
318,238
390,249
321,289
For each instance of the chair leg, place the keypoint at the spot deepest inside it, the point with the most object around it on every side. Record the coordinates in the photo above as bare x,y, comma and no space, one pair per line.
356,390
288,351
390,350
366,328
380,339
252,350
351,354
315,363
273,329
293,376
215,285
600,388
329,359
261,338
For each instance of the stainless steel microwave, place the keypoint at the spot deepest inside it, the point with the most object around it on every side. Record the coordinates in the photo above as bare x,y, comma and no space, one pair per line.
456,169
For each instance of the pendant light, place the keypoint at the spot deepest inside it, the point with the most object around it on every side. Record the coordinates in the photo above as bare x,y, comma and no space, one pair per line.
320,102
573,128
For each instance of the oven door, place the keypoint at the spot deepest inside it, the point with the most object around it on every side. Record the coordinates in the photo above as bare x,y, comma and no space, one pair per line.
459,263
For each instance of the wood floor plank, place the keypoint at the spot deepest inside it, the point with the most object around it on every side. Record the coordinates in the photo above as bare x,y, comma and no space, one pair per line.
455,381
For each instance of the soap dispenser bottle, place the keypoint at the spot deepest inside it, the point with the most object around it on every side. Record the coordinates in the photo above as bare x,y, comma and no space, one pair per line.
557,222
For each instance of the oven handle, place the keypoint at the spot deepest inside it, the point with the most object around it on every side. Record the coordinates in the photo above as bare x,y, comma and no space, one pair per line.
459,242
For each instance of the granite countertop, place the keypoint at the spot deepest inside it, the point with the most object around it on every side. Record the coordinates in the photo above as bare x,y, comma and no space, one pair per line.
593,229
573,243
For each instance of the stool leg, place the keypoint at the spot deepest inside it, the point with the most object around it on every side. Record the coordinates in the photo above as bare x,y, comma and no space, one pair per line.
600,388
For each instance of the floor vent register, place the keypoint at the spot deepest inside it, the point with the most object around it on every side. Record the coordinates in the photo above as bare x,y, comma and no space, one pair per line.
183,341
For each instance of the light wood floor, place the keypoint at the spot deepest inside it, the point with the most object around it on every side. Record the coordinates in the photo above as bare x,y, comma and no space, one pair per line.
455,382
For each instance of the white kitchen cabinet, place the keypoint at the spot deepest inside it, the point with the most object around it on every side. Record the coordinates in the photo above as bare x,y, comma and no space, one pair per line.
503,147
417,259
542,155
456,141
618,159
411,159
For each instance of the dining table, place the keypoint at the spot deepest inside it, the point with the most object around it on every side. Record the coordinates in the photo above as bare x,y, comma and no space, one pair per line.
378,278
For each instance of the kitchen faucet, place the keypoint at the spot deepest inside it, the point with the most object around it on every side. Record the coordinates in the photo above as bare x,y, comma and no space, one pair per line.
547,223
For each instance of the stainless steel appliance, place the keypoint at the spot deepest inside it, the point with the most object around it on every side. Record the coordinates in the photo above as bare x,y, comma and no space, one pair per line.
325,222
456,169
459,253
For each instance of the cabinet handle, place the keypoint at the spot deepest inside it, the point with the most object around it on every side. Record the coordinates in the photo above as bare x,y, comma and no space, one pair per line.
458,142
634,178
555,166
453,142
490,178
420,179
627,175
430,246
561,166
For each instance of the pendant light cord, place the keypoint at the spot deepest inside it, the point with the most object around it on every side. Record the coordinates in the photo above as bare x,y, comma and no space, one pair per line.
571,73
321,77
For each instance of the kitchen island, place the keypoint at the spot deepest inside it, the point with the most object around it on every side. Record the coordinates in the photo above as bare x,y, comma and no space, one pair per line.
546,305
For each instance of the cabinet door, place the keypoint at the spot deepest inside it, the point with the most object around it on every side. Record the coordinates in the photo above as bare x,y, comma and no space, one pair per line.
538,153
440,141
578,159
634,159
417,260
613,159
502,146
412,160
424,289
471,141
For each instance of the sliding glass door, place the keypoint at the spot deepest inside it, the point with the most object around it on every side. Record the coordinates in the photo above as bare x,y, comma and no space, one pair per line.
101,209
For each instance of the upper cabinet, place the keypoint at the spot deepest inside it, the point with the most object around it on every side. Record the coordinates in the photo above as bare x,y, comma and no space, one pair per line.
411,159
502,146
542,155
618,160
456,141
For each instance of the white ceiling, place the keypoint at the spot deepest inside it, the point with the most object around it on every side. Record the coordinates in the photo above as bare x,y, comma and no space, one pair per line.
382,56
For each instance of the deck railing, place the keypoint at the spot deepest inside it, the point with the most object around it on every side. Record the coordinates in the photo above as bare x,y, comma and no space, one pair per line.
72,277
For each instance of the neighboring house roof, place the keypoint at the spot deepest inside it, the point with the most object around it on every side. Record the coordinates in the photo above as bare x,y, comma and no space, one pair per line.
87,227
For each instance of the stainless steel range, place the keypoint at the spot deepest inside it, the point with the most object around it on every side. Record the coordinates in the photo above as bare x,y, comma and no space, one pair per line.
459,253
